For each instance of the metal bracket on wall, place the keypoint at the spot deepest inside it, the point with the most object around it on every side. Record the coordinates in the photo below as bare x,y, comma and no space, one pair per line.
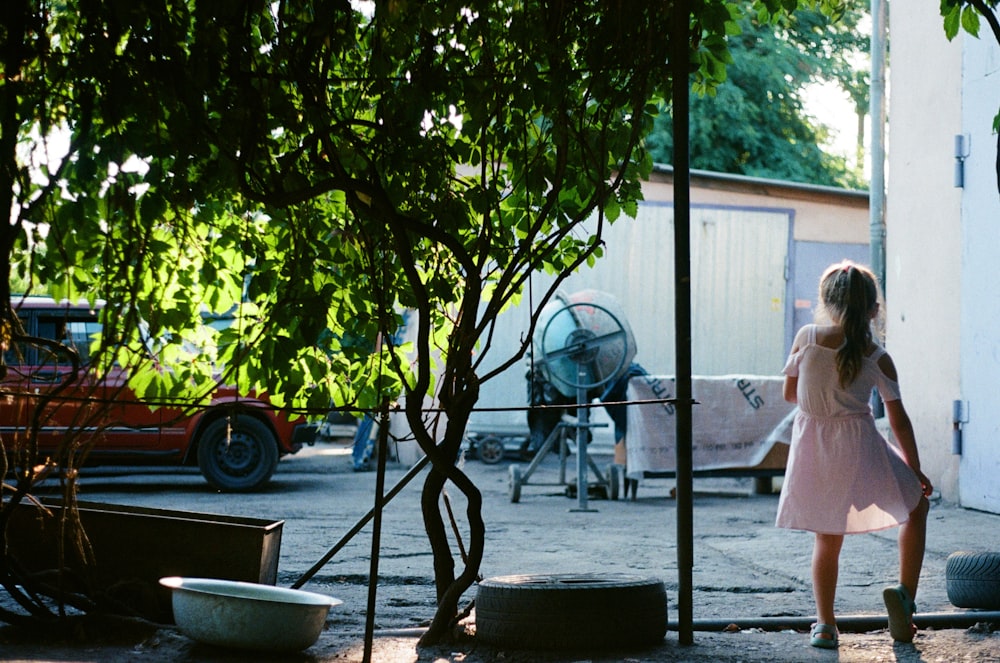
962,149
959,416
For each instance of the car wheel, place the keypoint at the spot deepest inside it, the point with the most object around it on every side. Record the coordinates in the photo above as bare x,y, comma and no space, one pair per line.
571,611
973,580
490,450
240,456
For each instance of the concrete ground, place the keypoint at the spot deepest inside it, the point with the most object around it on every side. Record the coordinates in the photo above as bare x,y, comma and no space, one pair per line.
748,575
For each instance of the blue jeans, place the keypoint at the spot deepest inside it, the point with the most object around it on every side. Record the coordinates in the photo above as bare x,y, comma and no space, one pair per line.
363,444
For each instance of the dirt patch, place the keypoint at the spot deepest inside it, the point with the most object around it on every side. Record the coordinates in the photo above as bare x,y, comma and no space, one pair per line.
118,640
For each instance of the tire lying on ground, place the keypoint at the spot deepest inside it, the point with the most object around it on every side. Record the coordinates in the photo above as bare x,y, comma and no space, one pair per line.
571,611
973,580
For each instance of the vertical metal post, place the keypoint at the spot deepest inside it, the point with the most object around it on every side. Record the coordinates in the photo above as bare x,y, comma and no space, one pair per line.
876,110
383,451
582,434
679,61
876,188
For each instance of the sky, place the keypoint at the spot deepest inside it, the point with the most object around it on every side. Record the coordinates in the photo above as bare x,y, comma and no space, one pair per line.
831,106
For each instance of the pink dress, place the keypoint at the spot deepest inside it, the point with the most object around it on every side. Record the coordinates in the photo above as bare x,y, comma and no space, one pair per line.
842,476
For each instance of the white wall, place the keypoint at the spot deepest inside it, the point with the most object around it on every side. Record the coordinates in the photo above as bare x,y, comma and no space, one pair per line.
980,365
924,232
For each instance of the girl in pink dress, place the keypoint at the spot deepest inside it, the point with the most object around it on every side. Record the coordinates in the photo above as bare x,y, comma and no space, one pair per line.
842,476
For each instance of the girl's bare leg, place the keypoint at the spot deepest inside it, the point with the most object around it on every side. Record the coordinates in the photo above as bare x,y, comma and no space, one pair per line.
912,537
825,568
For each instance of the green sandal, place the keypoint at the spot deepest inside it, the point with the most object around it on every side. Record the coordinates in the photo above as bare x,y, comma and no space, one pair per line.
900,607
824,636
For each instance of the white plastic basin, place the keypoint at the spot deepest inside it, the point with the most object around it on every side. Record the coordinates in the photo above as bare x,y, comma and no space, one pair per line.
247,615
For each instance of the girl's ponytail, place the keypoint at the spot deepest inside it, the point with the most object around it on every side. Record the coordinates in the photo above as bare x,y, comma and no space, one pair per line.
849,293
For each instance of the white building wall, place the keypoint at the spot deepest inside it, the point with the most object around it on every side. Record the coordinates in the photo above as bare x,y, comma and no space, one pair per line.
924,247
980,460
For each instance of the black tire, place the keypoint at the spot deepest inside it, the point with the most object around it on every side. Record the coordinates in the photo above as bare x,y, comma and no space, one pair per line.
243,462
490,450
571,611
973,580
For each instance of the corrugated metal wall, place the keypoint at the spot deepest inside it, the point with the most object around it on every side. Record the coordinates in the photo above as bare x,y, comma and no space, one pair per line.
738,296
738,291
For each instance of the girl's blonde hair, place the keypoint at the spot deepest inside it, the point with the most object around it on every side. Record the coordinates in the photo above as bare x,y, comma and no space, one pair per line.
849,296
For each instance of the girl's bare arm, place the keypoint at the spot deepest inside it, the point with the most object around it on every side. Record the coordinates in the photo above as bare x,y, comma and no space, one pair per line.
792,381
902,430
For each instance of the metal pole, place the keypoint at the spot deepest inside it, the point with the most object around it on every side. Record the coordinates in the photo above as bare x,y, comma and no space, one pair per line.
846,623
383,451
358,526
582,435
876,189
679,61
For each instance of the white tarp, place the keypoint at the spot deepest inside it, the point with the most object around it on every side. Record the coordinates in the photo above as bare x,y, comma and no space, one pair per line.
736,421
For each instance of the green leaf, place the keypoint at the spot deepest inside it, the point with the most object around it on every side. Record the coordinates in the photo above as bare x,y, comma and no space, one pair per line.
970,20
952,20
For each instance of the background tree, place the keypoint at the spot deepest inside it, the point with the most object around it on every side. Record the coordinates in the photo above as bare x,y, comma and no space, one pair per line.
755,122
318,170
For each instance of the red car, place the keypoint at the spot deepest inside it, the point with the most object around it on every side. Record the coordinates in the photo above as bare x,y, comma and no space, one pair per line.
236,441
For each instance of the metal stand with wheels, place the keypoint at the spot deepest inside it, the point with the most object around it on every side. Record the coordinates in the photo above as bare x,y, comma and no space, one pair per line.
584,346
518,477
